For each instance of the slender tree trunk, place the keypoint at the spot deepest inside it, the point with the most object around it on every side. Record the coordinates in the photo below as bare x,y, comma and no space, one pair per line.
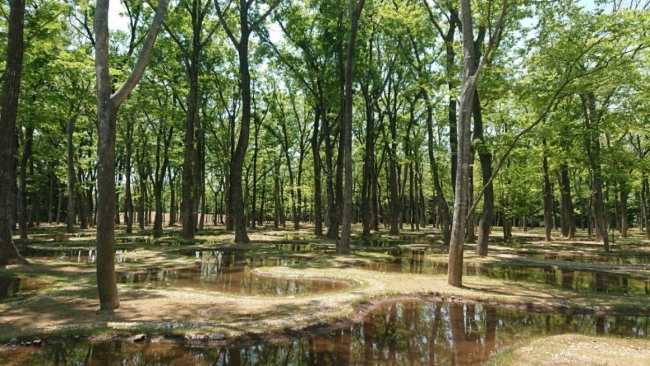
440,197
343,246
567,216
50,200
548,199
455,270
276,195
59,206
624,193
368,164
172,198
241,237
315,150
71,176
332,211
23,213
485,157
107,107
592,123
187,202
394,194
646,206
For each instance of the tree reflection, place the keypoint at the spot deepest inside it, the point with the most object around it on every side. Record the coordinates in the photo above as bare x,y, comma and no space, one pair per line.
406,332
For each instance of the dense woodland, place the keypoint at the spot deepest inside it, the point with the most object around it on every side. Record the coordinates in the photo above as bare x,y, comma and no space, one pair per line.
273,113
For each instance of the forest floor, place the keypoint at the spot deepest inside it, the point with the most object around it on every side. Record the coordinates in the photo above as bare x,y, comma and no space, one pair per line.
68,306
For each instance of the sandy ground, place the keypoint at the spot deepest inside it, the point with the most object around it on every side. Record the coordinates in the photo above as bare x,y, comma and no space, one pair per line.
570,349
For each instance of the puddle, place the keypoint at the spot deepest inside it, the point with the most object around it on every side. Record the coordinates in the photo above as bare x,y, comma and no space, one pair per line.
407,333
76,255
570,279
223,275
17,287
593,258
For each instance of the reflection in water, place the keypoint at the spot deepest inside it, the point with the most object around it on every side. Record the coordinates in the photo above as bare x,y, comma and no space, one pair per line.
570,279
421,333
77,255
618,259
229,272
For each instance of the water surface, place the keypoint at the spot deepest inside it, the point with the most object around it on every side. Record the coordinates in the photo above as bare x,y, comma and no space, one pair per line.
395,333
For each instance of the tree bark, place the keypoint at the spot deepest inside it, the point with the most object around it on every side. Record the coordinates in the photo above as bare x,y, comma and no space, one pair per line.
548,198
23,213
71,175
107,107
440,197
343,246
592,123
485,157
624,194
455,270
315,150
9,100
566,203
159,177
236,173
187,186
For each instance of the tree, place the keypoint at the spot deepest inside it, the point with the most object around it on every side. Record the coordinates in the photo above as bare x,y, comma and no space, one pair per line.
10,93
343,246
108,105
246,27
191,48
471,72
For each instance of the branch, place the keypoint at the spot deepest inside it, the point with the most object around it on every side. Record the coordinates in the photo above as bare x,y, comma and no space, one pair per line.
222,20
492,43
259,21
177,41
143,58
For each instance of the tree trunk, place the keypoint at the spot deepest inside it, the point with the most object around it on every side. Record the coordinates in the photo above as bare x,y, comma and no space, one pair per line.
485,157
23,214
332,211
187,202
172,199
455,270
71,175
548,198
566,203
10,94
315,150
368,164
592,123
440,197
107,107
624,193
646,206
343,246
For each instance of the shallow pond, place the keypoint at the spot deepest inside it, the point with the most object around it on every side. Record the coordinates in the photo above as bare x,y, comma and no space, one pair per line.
620,259
571,279
227,272
76,255
402,332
